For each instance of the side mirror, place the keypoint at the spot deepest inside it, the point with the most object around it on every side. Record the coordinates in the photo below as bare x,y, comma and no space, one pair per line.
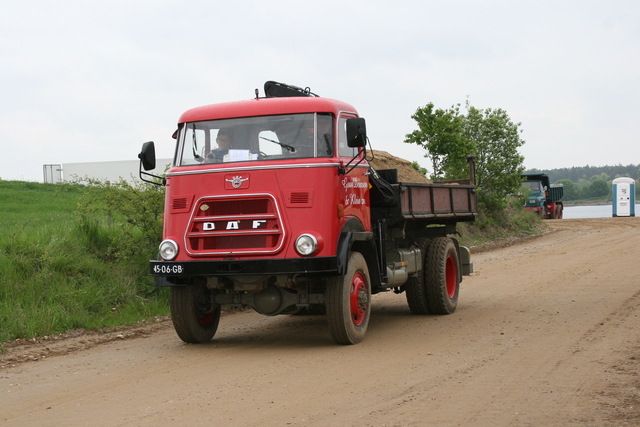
148,156
356,132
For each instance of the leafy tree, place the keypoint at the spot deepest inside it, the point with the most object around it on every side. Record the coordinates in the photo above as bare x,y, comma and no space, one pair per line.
495,140
570,189
489,134
440,132
598,188
415,165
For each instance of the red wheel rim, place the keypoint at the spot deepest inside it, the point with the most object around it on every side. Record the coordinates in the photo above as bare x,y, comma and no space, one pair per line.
205,319
358,299
452,276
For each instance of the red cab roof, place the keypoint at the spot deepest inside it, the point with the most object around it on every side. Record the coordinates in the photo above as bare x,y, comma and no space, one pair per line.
265,107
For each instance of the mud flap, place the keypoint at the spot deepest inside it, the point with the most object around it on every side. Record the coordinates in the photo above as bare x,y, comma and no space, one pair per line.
465,261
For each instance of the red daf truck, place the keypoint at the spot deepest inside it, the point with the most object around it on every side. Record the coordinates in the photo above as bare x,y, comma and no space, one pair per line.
271,204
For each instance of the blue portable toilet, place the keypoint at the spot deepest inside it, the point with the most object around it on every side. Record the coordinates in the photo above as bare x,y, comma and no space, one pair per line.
623,197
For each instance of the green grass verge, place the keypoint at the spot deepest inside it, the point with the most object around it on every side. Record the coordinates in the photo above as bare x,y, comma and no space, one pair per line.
501,229
54,275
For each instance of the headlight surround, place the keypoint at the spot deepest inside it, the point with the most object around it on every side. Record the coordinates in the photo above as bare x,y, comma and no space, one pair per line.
168,250
306,244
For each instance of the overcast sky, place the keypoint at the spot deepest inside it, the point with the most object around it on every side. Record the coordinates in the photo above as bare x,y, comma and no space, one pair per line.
88,81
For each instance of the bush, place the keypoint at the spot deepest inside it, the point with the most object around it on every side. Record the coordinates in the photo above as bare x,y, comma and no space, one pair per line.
122,220
508,224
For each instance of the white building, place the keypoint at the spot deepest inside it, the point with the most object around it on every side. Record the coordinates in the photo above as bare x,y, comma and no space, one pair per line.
103,171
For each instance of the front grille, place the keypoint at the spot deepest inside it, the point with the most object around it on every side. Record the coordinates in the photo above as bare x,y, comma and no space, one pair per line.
235,224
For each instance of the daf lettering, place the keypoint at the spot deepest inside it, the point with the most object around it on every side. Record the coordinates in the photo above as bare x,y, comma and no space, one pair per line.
233,225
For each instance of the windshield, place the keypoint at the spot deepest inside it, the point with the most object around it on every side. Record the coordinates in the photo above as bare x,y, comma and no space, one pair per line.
532,185
291,136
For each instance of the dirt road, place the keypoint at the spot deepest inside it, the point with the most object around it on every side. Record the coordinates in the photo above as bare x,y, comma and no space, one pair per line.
547,333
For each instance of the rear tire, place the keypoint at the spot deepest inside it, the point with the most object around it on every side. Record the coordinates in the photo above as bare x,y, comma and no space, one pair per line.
415,289
348,302
442,280
559,212
194,314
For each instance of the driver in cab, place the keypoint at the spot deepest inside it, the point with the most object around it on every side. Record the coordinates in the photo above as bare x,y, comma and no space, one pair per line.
224,140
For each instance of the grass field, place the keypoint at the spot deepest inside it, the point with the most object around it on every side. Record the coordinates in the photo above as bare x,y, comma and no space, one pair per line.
58,274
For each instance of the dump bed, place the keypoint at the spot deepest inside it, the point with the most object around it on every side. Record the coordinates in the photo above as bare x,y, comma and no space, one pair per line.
438,200
555,193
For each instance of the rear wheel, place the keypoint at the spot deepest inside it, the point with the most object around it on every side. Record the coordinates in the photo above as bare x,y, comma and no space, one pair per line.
415,289
194,314
348,302
441,276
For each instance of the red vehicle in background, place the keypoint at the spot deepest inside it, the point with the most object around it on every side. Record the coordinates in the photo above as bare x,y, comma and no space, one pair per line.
271,204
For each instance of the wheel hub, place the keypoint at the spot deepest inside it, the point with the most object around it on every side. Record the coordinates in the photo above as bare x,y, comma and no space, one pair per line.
359,299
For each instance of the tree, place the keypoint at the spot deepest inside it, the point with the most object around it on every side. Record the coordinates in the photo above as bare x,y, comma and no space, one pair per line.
570,191
495,140
415,165
598,188
440,133
490,135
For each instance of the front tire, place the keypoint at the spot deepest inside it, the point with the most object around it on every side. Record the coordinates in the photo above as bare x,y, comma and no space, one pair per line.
348,302
194,314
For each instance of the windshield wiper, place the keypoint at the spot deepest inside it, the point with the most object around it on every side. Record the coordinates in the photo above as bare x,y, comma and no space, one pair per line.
288,147
194,146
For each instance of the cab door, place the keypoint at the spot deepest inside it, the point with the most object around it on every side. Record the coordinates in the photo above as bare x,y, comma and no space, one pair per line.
354,185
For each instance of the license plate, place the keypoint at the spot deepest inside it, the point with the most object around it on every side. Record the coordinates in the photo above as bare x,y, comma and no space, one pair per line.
167,269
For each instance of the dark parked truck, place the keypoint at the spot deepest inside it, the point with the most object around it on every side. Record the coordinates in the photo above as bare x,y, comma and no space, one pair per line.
271,204
545,198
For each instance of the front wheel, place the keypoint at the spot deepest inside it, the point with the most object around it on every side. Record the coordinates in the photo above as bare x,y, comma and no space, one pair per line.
348,302
194,314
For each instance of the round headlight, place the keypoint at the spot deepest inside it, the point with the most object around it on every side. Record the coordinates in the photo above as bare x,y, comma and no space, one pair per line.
306,244
168,249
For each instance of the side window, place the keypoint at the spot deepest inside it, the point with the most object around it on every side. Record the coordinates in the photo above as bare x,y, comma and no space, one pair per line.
325,135
195,142
344,149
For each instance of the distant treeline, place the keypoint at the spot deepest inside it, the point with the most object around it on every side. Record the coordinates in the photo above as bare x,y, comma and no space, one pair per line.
590,182
590,173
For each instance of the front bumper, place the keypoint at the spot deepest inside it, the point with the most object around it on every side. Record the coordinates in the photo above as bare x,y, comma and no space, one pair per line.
186,269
